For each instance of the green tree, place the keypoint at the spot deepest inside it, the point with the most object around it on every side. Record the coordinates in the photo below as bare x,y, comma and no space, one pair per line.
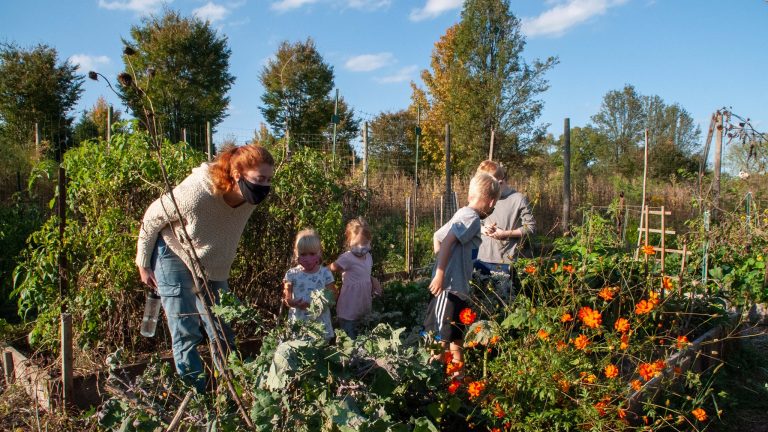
672,138
622,119
35,88
392,140
183,66
480,82
93,122
297,97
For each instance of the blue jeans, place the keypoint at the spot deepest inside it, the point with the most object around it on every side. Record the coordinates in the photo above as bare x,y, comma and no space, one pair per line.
185,312
486,267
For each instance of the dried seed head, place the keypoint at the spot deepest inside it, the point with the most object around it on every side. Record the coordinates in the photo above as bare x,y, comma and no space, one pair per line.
125,79
92,75
129,51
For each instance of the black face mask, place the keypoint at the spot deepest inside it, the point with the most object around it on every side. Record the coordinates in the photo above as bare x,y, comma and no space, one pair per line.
252,192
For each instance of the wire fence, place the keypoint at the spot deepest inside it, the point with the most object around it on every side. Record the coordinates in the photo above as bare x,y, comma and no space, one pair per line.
406,207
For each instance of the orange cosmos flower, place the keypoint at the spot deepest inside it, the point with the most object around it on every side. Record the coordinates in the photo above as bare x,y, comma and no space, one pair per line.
495,430
453,367
600,406
581,342
542,334
636,385
611,371
453,386
564,385
643,307
700,414
659,365
682,341
624,341
666,283
561,345
590,317
530,269
647,371
494,339
467,316
621,325
622,413
554,268
498,411
587,378
649,250
478,329
566,318
475,388
568,268
472,344
607,293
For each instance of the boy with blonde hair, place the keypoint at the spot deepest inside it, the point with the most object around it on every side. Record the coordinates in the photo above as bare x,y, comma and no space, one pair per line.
453,244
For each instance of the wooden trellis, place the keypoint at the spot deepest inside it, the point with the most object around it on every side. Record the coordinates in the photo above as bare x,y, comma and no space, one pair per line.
644,231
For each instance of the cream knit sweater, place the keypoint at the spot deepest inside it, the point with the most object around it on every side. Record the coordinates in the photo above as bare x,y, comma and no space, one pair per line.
214,226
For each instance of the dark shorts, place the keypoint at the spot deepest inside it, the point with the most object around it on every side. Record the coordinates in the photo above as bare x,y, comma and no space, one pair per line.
443,317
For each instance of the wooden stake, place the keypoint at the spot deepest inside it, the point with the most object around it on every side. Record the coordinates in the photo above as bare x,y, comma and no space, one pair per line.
490,151
716,174
566,175
8,367
66,358
663,241
209,140
179,412
365,155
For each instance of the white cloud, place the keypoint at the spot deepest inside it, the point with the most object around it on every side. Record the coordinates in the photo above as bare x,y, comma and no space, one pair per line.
286,5
404,74
369,62
434,8
87,62
143,7
555,21
367,4
211,12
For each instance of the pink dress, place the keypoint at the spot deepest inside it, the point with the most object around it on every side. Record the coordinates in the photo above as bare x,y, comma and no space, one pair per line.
355,300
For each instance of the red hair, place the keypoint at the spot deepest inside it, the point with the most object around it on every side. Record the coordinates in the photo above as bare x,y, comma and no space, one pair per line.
240,159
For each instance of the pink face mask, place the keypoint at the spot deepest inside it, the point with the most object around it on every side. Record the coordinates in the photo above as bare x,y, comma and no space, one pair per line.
309,262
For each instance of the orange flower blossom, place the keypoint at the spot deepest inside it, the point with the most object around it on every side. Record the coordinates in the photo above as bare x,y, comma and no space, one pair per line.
611,371
581,342
700,414
453,386
542,334
621,325
682,341
467,316
530,269
590,317
607,293
566,318
649,250
475,388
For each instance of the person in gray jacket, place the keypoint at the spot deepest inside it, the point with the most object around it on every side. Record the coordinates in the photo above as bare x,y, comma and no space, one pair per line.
506,228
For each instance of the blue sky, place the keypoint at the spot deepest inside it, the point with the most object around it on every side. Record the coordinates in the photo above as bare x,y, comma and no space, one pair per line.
703,54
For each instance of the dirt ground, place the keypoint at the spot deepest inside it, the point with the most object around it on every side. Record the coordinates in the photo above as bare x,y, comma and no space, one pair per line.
745,380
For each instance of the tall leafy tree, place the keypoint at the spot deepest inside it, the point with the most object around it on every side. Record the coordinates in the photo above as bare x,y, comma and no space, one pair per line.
622,118
36,88
480,82
298,98
672,138
183,66
93,122
392,140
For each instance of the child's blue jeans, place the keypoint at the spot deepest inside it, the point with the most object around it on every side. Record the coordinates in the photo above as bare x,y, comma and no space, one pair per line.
185,312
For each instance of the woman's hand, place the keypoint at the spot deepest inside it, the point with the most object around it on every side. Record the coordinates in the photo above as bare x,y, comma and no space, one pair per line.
148,276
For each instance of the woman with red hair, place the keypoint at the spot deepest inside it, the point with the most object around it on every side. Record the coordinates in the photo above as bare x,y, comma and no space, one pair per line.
214,202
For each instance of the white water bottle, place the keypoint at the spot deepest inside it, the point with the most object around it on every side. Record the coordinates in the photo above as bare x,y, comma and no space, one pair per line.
151,312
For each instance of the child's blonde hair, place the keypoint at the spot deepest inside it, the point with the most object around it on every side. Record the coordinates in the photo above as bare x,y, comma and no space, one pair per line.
307,241
355,227
484,185
493,168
